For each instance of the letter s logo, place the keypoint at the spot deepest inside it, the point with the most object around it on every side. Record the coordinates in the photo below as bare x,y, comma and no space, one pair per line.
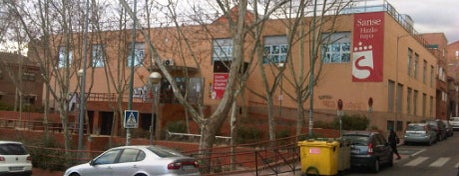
362,66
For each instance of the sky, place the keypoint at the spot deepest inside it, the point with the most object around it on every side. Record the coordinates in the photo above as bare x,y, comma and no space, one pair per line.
432,16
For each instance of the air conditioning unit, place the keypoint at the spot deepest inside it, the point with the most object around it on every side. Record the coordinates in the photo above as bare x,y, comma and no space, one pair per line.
168,62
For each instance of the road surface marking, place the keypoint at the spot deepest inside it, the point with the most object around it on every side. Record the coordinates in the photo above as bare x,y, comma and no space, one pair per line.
440,162
416,161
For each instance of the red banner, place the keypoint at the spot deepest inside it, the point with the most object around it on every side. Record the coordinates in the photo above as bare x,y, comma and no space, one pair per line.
220,81
368,46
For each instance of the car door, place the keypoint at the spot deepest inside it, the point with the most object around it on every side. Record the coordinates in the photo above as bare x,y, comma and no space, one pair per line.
129,162
103,165
382,149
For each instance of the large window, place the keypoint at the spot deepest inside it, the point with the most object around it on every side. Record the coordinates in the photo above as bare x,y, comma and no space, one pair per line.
410,60
222,50
408,100
97,56
424,102
415,65
64,57
391,96
415,102
138,55
275,48
399,94
336,47
424,72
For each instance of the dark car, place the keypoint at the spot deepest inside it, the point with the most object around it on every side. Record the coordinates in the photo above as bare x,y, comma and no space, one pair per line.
439,128
369,149
449,128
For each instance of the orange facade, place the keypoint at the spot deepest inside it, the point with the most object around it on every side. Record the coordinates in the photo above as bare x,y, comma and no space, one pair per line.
380,58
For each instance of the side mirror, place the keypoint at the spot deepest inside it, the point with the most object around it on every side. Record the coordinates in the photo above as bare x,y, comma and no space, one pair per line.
92,163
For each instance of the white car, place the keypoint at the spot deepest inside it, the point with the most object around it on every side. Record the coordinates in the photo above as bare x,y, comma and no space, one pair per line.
454,121
141,160
14,159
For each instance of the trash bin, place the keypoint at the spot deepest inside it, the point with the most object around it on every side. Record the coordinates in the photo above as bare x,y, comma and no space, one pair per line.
344,155
319,157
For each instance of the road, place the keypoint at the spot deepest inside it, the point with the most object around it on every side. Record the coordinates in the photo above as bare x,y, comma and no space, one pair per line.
441,158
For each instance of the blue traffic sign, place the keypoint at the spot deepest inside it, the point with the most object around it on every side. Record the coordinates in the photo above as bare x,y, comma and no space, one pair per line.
131,119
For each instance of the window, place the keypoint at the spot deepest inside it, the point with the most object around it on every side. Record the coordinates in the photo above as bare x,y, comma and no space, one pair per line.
408,101
424,72
138,55
131,155
424,103
415,102
64,57
97,56
108,157
410,60
390,92
275,48
415,66
431,106
222,50
336,47
432,76
398,103
28,76
29,99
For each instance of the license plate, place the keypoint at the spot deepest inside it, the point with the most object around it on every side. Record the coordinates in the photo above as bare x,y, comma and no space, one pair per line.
355,151
16,168
188,167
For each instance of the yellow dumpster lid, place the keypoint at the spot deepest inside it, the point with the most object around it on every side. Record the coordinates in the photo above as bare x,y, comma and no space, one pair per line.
315,143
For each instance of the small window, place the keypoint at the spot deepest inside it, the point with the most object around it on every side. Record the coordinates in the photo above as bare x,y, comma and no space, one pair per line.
222,50
275,49
12,149
336,47
64,57
108,157
97,56
138,55
131,155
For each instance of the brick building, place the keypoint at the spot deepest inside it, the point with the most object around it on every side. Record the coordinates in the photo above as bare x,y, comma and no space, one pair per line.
373,55
20,82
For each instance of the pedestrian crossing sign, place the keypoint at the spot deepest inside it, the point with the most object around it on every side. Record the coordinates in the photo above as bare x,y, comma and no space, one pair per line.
131,119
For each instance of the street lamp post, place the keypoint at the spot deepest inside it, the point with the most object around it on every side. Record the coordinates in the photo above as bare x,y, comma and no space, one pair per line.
155,79
82,107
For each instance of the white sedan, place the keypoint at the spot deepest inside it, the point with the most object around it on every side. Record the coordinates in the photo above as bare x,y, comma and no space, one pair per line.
138,161
454,121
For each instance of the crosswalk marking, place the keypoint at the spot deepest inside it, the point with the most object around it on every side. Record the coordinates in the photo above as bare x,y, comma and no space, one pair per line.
416,161
439,162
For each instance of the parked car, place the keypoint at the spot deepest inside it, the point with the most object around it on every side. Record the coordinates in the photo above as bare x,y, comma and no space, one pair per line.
369,149
454,121
138,160
420,133
439,127
14,159
449,128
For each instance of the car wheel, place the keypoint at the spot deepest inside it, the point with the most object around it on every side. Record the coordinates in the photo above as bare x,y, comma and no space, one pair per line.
376,166
74,174
391,161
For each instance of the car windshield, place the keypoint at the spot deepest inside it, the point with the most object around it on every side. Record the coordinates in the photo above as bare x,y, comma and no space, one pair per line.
415,128
12,149
454,118
357,139
164,152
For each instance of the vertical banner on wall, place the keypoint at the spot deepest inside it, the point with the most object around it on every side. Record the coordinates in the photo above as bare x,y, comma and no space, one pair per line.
368,46
220,80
